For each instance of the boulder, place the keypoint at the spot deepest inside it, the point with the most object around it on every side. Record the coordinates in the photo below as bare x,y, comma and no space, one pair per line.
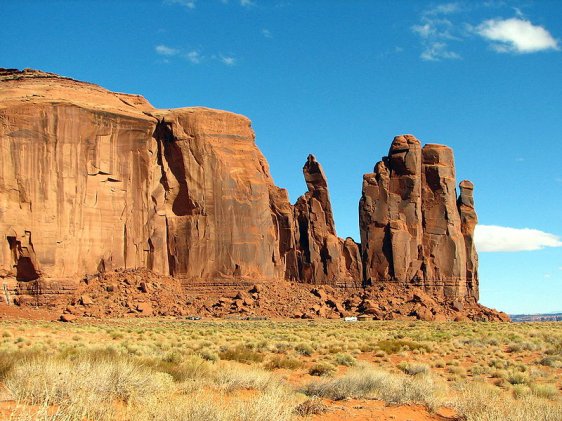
144,308
67,318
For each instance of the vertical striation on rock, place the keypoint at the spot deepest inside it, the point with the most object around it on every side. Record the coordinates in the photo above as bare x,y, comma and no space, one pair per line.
390,215
444,250
215,196
465,204
412,231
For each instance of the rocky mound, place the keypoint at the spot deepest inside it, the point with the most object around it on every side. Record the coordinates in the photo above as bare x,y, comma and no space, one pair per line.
141,293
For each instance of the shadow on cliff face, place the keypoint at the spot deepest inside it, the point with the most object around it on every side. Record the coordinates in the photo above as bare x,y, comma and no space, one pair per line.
171,152
25,269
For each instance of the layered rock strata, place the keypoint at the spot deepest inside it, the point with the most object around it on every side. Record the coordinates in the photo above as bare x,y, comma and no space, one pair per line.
412,229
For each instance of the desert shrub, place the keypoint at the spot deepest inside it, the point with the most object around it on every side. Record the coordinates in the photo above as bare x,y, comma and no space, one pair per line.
190,368
309,407
478,369
439,364
56,381
8,360
282,347
273,404
413,368
242,354
345,359
322,369
304,349
520,390
517,377
278,361
481,402
458,371
547,391
196,407
234,377
393,346
553,361
208,355
514,347
365,382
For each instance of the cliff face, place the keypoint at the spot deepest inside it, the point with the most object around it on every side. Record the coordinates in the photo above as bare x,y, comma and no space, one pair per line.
412,230
92,180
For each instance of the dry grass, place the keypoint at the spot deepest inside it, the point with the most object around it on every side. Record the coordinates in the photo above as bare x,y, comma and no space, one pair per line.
368,382
252,370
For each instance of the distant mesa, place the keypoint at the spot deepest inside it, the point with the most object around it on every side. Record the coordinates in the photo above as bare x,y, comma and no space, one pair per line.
95,181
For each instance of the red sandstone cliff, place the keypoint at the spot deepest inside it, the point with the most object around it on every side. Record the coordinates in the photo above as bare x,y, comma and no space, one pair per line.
92,180
412,230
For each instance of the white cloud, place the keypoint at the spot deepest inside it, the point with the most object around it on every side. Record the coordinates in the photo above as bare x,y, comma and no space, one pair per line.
444,9
227,60
247,3
493,238
436,51
164,50
194,57
190,4
266,33
516,35
436,31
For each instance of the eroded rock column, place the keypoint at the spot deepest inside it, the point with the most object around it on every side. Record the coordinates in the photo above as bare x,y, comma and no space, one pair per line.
321,257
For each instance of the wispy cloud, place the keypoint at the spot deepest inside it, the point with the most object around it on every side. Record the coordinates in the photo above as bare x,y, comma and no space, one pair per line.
436,31
436,51
516,35
189,4
194,57
493,238
266,33
164,50
247,3
227,60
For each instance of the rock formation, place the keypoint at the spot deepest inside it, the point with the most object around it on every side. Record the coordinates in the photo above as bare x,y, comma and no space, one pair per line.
323,258
93,181
469,220
412,231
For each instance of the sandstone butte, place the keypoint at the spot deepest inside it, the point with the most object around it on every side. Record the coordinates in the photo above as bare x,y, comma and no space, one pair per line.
94,181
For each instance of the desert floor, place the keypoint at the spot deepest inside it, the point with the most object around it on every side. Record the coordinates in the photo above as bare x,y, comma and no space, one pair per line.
178,369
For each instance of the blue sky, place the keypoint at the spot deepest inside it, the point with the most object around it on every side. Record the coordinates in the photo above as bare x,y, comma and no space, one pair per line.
339,79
